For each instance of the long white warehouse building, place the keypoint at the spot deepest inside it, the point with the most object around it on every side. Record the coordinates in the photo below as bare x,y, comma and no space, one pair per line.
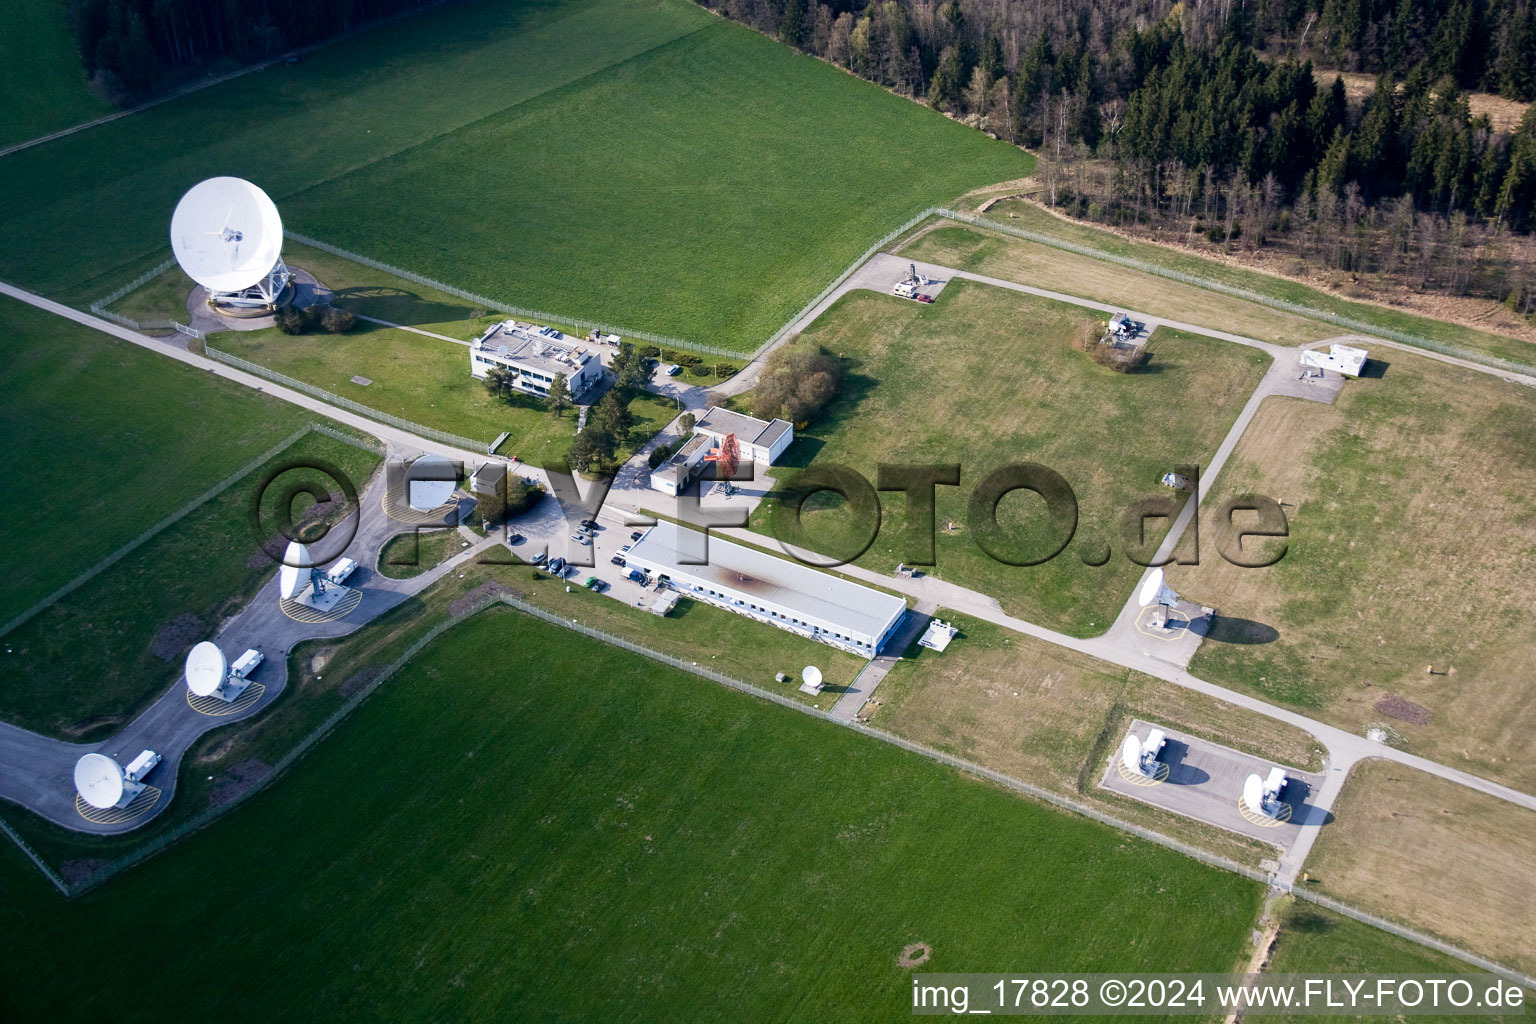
761,586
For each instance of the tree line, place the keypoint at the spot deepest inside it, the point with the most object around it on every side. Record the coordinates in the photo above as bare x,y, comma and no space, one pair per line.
1209,117
133,48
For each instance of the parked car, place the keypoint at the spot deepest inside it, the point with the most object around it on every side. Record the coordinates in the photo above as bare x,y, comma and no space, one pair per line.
625,548
637,576
617,560
588,525
674,371
556,565
540,558
924,297
516,538
581,538
637,535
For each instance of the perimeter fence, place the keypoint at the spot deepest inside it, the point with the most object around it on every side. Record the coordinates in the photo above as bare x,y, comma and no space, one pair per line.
206,817
456,440
170,520
488,303
1247,295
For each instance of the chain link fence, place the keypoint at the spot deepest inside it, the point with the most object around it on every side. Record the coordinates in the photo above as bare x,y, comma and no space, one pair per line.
456,440
170,520
203,819
499,306
1273,302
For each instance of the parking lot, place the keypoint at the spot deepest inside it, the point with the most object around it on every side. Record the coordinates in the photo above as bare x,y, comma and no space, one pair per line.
1204,781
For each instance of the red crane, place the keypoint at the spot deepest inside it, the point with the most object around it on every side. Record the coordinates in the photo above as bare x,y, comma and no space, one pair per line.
726,457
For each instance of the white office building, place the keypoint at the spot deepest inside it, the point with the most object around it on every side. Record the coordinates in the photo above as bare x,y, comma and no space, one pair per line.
762,586
534,355
760,441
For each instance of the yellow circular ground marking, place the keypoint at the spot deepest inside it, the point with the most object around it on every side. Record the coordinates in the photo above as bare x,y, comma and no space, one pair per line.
216,708
299,612
415,516
1159,775
1260,818
137,808
1177,620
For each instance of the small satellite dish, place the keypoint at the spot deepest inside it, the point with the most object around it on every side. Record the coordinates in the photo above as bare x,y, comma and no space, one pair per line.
1155,590
226,234
295,575
99,780
1130,754
207,668
429,482
810,675
1253,794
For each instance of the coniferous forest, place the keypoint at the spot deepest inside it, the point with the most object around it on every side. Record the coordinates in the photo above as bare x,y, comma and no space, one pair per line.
1227,124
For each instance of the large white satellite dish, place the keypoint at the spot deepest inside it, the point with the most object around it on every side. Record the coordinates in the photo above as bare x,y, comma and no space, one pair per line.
1130,754
228,237
1154,590
810,675
207,668
1253,794
429,482
296,570
99,781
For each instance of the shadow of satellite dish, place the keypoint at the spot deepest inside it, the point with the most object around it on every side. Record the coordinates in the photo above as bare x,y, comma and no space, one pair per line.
1228,629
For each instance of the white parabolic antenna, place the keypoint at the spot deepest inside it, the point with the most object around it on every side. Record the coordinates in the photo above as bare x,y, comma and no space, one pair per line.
207,668
99,780
295,575
1155,591
810,675
429,482
226,234
1253,794
1130,754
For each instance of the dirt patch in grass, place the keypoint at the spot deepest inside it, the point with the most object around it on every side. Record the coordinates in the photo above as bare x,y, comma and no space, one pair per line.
241,777
485,591
176,636
75,871
358,681
1468,856
1403,710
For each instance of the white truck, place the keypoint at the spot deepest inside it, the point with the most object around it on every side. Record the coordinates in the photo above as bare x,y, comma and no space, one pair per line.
141,766
905,290
341,570
246,664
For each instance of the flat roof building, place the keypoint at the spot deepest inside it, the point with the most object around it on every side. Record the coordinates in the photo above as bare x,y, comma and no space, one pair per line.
762,441
534,355
1341,359
762,586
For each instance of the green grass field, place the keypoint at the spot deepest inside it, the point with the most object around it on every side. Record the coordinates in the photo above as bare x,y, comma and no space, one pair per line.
427,381
988,377
638,161
42,85
590,835
88,663
107,439
1314,940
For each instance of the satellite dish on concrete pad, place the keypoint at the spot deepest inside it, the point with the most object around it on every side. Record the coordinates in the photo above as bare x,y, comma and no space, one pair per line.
296,568
207,668
1253,794
227,235
429,482
1130,754
810,675
99,781
1155,590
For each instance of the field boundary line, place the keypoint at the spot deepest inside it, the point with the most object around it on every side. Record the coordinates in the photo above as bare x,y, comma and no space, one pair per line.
58,883
443,436
334,719
1233,291
498,305
199,86
213,492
